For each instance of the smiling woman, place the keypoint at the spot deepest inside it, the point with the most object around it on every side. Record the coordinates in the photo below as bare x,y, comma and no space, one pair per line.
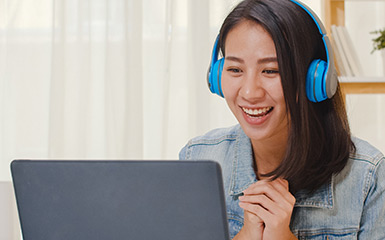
291,162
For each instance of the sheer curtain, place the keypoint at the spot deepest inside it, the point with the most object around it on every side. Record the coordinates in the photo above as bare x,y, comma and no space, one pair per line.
65,89
116,79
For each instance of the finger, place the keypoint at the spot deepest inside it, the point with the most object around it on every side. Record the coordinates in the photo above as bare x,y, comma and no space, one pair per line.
283,182
252,217
263,201
282,186
267,188
258,211
279,211
279,207
253,226
275,190
272,216
267,196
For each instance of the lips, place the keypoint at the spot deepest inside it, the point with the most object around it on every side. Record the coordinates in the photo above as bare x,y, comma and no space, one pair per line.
257,112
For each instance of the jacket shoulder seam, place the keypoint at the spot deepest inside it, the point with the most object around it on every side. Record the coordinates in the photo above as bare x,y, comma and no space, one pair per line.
213,141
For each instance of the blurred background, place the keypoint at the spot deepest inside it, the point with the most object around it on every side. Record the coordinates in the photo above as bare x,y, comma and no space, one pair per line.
123,79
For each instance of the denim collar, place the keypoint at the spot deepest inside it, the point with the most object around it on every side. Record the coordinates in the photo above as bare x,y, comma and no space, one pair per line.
320,198
243,175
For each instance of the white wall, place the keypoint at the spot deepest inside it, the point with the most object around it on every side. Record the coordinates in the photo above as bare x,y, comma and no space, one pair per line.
367,112
316,6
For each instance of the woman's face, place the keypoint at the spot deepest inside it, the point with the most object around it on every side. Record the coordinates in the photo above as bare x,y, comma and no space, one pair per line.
252,84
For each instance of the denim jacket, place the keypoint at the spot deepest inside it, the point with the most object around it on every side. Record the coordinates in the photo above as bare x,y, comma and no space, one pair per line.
350,206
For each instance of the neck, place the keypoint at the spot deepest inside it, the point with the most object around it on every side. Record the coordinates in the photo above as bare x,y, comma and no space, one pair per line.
268,155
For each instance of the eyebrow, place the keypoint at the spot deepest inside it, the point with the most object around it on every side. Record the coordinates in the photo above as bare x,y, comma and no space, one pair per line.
260,61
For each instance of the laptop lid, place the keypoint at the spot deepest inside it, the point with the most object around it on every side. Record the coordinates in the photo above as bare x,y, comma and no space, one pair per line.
164,200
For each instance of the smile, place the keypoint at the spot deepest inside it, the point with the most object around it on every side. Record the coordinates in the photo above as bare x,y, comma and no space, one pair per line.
257,113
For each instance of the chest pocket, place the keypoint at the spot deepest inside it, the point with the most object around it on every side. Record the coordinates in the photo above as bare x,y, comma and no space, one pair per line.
326,235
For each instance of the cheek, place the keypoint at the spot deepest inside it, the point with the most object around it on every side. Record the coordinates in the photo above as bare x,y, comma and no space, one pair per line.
280,97
229,87
276,92
280,101
225,87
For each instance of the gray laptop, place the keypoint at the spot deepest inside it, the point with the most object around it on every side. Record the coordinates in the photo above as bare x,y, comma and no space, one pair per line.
116,200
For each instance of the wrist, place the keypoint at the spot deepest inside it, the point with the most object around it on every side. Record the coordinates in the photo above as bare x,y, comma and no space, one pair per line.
245,234
240,236
291,236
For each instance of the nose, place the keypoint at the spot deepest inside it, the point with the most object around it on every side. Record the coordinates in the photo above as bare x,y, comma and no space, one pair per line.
252,88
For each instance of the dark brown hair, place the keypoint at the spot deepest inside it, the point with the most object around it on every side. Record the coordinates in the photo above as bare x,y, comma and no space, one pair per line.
319,141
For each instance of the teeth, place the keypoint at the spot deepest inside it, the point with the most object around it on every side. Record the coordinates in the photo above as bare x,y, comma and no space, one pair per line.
257,112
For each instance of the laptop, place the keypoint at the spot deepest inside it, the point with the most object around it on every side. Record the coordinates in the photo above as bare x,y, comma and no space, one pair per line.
115,200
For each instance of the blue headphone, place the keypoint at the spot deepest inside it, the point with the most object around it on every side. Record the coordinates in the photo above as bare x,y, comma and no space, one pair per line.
321,78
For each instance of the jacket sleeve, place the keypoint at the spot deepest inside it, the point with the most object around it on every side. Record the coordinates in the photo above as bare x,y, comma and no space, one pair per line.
182,153
373,216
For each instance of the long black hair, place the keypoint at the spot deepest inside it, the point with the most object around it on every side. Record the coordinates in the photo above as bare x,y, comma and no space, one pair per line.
319,141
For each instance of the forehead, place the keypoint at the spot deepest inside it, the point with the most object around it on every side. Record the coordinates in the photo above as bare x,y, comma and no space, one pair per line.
248,37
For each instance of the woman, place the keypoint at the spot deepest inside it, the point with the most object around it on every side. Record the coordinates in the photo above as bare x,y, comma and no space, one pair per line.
291,168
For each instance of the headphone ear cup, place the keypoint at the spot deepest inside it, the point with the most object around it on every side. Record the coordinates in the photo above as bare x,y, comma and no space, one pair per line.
215,77
315,81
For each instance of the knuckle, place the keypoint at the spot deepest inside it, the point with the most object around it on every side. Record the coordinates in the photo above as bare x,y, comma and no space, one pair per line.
293,200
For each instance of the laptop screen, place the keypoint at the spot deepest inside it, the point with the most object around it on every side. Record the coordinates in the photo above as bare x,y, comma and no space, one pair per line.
60,200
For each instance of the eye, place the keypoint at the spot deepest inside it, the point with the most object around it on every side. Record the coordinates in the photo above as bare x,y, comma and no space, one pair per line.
234,70
270,71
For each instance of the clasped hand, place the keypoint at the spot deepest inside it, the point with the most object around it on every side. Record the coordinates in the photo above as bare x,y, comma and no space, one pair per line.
268,206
